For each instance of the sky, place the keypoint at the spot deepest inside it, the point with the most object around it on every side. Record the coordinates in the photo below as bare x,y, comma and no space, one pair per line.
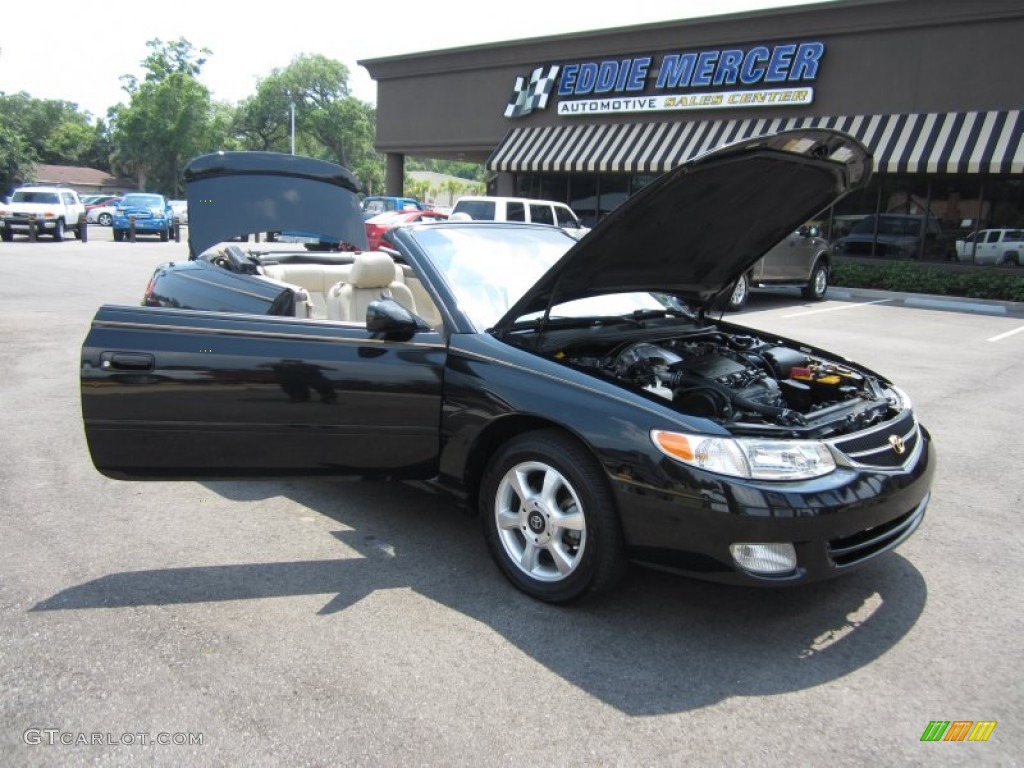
82,59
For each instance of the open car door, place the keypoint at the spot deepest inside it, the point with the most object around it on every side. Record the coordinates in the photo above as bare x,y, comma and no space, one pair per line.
178,393
233,386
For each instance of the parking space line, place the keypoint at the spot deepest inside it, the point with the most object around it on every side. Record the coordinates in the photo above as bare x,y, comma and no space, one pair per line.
835,309
1002,336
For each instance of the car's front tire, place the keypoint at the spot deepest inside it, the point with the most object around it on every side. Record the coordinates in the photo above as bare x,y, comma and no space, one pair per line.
164,235
58,231
817,286
105,219
118,235
549,518
7,235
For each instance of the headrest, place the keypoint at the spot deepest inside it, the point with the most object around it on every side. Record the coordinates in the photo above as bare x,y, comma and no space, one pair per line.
372,269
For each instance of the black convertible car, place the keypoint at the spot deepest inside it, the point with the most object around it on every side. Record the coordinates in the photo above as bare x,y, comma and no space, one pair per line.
575,394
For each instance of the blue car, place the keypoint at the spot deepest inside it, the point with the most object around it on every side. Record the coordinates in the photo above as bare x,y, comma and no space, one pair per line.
151,213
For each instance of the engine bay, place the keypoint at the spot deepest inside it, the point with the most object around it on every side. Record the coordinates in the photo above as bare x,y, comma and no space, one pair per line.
748,384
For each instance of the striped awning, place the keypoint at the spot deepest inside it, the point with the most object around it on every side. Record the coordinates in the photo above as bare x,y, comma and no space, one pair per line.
953,142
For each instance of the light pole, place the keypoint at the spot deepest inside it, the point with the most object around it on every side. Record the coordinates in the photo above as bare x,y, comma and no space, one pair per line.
292,105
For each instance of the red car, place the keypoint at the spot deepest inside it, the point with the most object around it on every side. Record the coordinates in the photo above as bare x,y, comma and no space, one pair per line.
377,226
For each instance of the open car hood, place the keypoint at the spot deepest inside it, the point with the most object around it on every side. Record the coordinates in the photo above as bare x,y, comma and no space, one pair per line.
231,194
697,228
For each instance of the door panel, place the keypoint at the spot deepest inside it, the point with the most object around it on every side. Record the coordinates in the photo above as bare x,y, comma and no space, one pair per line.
788,259
172,393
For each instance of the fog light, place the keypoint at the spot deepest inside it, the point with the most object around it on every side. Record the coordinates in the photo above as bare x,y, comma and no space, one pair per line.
768,559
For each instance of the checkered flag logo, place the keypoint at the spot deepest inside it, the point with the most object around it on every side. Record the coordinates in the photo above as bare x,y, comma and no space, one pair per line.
531,95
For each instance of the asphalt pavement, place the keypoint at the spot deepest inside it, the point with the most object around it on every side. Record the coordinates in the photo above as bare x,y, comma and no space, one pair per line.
330,623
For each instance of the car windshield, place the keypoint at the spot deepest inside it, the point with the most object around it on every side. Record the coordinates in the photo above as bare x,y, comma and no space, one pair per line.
896,226
141,201
489,269
46,198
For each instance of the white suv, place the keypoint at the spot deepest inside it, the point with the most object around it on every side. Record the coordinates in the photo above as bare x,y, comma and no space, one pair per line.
520,209
53,209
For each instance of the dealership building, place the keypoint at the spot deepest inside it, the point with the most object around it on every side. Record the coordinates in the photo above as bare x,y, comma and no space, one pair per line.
934,88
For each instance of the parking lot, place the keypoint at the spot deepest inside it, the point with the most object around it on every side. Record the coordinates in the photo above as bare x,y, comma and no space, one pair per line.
328,623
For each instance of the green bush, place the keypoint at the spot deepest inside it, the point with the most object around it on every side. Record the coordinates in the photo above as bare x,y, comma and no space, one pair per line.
911,277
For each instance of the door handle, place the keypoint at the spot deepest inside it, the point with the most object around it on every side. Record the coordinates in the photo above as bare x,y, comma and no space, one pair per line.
126,361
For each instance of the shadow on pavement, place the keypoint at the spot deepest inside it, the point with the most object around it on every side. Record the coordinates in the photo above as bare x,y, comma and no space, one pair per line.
658,644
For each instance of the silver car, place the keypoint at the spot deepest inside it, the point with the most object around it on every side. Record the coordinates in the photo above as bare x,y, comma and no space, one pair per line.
180,210
802,259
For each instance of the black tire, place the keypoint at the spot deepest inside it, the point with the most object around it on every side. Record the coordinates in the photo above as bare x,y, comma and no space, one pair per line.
164,236
118,235
817,286
58,231
105,219
578,524
7,235
737,297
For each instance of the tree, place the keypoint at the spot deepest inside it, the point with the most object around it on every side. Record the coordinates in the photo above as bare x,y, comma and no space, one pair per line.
460,168
262,121
453,188
169,119
420,189
16,159
329,122
55,131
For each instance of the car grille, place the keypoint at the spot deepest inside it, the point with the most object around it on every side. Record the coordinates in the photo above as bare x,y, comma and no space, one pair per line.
875,447
862,546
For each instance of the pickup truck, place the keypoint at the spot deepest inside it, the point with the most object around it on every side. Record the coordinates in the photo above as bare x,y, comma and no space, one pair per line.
992,246
54,209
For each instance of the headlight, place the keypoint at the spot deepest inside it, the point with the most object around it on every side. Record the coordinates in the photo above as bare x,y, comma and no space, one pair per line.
752,458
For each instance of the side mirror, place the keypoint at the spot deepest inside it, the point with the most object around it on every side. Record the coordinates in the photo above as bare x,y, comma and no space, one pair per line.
388,317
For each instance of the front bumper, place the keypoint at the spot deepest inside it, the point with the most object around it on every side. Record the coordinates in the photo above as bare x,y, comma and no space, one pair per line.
143,225
835,523
20,224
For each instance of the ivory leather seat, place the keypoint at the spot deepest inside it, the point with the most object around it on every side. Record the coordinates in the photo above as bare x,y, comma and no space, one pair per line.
372,275
316,279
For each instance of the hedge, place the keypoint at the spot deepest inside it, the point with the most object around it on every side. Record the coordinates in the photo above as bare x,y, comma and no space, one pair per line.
910,277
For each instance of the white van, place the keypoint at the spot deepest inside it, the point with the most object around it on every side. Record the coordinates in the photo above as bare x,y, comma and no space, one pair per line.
520,209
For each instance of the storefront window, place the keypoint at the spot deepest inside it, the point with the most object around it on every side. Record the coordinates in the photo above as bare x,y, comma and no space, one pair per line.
613,190
960,203
552,186
584,199
849,211
1007,202
640,181
896,216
